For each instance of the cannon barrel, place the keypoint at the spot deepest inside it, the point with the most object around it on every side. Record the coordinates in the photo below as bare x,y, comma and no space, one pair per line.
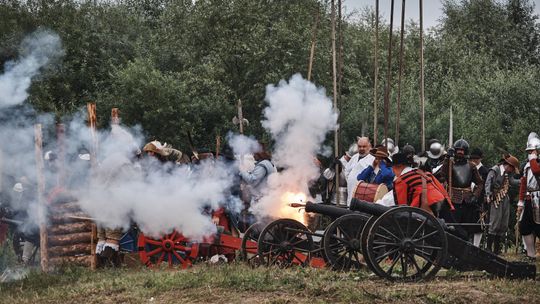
331,211
369,208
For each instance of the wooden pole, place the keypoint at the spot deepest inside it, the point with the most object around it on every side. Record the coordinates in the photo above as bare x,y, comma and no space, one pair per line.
115,116
340,74
218,145
313,43
388,76
340,53
422,103
92,120
334,81
240,116
401,51
376,73
43,236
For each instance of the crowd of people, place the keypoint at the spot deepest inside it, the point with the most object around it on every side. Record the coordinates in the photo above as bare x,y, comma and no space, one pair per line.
454,185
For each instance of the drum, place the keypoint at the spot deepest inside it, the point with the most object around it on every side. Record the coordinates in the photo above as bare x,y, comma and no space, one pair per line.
370,192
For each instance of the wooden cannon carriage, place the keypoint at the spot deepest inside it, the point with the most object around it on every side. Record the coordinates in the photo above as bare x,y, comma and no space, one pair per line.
401,243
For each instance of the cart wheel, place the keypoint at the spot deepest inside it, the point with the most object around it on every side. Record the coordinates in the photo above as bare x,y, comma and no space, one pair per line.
173,249
406,244
342,242
248,248
364,238
285,242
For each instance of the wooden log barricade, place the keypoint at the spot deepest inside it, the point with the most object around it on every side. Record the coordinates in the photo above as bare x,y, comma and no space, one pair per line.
69,234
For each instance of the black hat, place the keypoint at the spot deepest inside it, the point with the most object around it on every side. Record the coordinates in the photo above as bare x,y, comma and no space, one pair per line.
476,153
400,159
408,149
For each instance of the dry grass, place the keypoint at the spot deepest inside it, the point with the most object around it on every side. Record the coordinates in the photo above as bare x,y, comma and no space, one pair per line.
237,283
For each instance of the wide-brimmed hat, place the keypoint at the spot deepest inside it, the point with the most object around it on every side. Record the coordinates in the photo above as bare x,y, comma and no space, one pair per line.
380,152
512,161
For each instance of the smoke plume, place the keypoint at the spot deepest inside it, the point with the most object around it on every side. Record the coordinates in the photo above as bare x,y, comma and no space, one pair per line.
37,51
298,116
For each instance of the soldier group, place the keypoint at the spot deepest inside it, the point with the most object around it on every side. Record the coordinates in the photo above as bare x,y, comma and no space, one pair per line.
454,185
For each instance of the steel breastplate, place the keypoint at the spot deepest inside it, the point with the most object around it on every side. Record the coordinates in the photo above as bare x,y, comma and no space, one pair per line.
461,175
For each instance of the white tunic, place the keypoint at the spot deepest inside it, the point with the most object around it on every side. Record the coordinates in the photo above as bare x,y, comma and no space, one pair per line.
354,167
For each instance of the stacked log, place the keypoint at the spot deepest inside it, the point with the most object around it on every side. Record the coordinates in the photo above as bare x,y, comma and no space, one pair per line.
70,236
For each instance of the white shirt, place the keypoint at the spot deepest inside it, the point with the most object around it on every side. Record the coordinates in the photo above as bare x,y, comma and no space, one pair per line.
354,167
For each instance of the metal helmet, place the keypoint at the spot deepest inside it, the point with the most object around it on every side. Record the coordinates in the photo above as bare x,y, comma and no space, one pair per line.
436,150
353,149
462,144
533,142
409,150
392,148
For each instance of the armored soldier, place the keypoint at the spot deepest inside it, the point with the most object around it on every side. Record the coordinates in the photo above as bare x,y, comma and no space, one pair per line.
432,160
529,196
459,173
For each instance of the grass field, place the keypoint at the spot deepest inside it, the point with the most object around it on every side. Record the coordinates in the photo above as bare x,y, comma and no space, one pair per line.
238,283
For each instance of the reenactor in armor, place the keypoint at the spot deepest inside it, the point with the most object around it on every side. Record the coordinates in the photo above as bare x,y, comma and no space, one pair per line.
459,174
432,159
529,196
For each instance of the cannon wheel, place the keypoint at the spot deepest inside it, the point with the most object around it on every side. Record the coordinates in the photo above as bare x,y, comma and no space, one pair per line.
285,242
364,237
405,244
342,242
173,249
249,241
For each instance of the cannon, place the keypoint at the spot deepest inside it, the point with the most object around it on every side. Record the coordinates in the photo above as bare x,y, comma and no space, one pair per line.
174,249
404,243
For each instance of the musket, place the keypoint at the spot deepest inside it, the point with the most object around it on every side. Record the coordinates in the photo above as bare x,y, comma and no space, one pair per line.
10,221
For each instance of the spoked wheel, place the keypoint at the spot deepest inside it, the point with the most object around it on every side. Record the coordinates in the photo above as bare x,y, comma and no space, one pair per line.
248,248
173,249
406,244
285,242
342,242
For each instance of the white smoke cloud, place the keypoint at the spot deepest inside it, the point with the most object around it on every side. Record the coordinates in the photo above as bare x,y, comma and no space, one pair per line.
298,116
243,145
37,51
157,197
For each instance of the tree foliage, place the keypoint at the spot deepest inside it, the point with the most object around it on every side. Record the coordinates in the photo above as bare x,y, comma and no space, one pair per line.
174,66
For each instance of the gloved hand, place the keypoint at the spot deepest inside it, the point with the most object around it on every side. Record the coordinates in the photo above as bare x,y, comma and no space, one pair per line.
451,153
337,162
